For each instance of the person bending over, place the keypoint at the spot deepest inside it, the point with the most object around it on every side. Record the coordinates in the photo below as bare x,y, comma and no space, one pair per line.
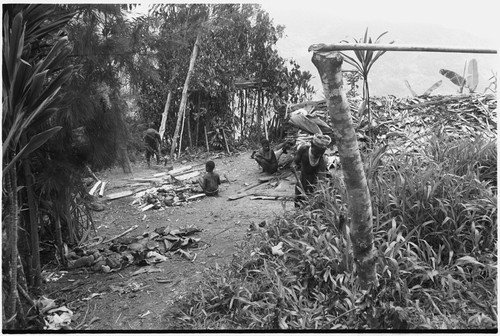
152,141
211,181
311,162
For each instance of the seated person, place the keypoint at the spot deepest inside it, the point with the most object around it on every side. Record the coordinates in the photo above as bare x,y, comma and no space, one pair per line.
267,158
211,181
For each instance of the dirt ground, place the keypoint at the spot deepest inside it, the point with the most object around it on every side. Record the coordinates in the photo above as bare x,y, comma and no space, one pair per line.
224,224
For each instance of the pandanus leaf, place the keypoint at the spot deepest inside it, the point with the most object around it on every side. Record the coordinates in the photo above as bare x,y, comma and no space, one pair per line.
453,77
472,75
34,143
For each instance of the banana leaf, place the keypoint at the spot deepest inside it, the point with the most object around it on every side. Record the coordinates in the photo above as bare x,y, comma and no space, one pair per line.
453,77
304,123
432,88
472,75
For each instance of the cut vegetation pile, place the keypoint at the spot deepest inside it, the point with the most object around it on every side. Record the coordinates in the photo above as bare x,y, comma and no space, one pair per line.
432,170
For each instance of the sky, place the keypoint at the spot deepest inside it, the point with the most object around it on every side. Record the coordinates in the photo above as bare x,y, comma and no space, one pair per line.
437,22
422,23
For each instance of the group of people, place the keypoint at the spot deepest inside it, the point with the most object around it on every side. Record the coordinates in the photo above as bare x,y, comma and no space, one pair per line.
309,160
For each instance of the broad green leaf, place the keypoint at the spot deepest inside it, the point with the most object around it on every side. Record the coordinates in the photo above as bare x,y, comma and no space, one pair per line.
34,143
37,85
468,260
57,54
453,77
54,85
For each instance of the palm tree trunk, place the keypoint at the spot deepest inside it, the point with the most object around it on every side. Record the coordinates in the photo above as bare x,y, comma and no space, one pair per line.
35,271
182,107
359,202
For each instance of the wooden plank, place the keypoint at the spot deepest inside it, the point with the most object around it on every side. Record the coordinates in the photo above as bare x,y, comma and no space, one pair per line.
182,173
160,174
94,188
179,170
187,176
142,184
119,194
145,179
147,207
101,192
137,190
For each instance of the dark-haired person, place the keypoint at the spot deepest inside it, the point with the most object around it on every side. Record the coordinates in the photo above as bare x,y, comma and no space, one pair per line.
211,181
312,164
266,158
152,141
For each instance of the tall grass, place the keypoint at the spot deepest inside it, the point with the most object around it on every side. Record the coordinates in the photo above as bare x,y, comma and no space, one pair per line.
435,229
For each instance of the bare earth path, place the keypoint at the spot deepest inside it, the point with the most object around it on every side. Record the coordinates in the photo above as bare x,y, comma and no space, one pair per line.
224,224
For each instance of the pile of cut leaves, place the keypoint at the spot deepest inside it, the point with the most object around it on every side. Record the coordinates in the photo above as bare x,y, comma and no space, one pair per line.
147,249
167,195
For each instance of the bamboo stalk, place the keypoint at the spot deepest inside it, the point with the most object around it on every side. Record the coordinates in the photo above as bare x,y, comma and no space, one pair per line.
401,47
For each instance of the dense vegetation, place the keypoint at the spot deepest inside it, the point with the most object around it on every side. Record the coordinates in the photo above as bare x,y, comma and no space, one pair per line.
435,227
73,75
80,84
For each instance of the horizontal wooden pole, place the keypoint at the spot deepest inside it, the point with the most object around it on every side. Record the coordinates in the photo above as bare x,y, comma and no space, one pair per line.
401,47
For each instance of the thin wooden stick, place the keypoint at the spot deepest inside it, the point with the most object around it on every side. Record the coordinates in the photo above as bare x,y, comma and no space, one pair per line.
225,141
206,138
121,234
401,47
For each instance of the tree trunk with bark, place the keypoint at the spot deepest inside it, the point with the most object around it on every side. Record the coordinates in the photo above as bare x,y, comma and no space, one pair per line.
182,107
10,306
329,65
124,159
164,116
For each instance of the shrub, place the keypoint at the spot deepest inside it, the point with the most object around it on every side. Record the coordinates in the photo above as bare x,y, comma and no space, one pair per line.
435,232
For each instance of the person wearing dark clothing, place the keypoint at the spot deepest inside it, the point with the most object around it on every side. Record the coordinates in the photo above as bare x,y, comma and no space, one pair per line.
311,162
266,158
152,141
211,181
